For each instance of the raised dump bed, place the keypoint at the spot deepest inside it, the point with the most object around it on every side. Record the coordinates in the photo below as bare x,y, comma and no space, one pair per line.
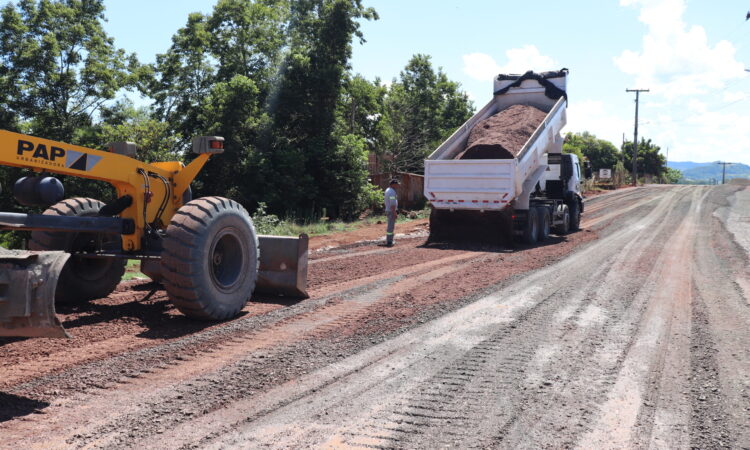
500,158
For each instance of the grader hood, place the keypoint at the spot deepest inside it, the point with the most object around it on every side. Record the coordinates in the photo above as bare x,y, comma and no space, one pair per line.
27,293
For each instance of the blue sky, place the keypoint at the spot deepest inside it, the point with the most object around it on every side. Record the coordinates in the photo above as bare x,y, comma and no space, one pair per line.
691,54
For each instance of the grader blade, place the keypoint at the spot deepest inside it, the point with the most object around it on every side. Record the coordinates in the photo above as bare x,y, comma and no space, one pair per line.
27,293
283,266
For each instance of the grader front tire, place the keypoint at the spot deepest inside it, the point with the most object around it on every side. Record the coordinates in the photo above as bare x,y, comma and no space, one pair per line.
210,258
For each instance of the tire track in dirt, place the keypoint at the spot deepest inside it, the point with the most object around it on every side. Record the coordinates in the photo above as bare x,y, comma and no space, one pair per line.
297,418
668,294
549,397
332,314
239,347
720,359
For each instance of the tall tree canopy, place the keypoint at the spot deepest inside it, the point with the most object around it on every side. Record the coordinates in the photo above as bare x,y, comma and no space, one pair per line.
650,159
59,67
270,76
422,108
326,169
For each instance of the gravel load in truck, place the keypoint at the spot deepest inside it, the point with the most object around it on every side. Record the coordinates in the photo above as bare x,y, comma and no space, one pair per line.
503,135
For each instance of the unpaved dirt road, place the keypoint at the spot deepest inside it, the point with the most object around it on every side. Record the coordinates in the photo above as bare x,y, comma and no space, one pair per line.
632,333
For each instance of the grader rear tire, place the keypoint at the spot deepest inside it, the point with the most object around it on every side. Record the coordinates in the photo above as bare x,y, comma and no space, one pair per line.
82,279
210,258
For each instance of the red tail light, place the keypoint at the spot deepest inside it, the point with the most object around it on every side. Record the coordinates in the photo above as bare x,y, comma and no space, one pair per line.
216,145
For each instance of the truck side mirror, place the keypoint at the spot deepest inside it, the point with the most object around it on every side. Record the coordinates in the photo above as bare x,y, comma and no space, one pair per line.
587,169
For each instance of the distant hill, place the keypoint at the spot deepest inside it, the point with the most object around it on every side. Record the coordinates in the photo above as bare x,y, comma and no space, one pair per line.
683,165
693,172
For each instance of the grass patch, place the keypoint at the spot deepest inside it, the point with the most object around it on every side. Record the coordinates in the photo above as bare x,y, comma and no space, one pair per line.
271,224
133,270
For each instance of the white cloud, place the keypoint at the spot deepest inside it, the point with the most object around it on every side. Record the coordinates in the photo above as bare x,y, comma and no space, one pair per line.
696,106
705,136
480,66
676,59
734,96
689,109
483,67
594,117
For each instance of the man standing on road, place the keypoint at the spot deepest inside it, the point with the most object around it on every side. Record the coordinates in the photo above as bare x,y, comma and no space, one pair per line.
391,211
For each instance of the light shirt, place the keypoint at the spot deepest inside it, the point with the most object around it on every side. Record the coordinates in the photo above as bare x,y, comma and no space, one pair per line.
391,199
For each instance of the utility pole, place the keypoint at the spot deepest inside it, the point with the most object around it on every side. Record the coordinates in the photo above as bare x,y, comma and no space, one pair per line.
635,134
724,170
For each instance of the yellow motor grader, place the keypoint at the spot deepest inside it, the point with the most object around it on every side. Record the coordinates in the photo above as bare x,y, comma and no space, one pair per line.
205,251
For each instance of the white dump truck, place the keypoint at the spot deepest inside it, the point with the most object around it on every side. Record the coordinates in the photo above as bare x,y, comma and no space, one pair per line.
526,195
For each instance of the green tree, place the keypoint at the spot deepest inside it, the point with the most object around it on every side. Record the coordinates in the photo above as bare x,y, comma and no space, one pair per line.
574,151
360,110
328,169
182,77
422,108
601,154
215,79
154,139
59,70
59,65
650,160
671,176
619,174
233,109
246,38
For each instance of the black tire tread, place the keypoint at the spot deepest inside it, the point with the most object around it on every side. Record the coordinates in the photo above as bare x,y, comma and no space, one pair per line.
529,236
68,288
180,265
575,216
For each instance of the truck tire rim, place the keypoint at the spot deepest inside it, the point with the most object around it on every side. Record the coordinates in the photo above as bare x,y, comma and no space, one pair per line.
227,259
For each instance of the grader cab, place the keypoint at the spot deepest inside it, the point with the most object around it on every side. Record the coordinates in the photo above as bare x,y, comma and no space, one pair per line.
204,251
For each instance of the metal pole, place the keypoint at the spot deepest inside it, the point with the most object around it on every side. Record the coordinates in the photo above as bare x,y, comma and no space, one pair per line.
635,134
724,170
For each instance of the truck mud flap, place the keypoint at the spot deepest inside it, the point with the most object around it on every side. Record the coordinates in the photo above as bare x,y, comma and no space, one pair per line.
27,293
283,266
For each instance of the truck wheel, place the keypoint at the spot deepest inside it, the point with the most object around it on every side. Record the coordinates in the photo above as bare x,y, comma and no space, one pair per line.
436,227
564,227
575,216
82,279
210,258
530,231
544,224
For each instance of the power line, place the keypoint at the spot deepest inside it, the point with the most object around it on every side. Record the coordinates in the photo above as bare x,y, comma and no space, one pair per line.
635,134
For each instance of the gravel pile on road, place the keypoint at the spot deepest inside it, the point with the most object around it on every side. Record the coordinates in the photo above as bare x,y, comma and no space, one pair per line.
503,135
